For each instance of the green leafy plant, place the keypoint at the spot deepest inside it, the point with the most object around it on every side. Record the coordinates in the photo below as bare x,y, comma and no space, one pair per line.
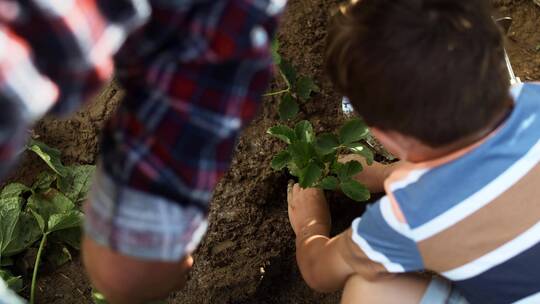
299,88
314,159
46,215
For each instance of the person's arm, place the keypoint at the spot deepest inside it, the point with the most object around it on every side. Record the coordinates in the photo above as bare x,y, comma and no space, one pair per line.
374,175
319,260
321,264
371,248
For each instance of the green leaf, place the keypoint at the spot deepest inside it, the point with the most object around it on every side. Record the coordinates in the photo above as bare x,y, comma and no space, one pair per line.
310,175
349,169
288,71
301,153
39,220
49,203
71,237
13,190
61,221
10,209
353,130
98,298
51,156
304,131
275,54
329,183
362,150
281,160
43,181
283,132
14,283
327,143
305,86
336,166
288,108
6,261
25,234
77,182
329,158
355,190
293,169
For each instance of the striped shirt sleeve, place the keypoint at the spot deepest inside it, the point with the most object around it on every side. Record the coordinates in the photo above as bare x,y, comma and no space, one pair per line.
383,237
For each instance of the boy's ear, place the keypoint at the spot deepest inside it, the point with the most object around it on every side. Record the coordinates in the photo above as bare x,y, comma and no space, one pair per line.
396,143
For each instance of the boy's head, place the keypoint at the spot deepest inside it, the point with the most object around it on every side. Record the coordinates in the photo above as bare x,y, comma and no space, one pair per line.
432,70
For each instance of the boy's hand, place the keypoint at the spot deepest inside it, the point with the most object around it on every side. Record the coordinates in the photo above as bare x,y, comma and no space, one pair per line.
308,211
374,175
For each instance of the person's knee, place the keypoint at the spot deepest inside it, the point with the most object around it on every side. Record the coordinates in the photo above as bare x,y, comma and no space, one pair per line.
355,287
402,289
123,279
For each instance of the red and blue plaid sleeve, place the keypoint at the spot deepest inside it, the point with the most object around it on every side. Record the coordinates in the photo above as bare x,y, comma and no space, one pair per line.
54,55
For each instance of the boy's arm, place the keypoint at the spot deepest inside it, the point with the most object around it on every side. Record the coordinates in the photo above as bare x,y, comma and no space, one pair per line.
310,220
325,263
377,245
374,175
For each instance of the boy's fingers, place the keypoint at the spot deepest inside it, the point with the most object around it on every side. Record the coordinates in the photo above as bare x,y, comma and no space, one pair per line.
189,261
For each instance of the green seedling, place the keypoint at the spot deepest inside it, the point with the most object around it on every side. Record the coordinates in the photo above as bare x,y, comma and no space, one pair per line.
314,159
299,88
99,298
46,215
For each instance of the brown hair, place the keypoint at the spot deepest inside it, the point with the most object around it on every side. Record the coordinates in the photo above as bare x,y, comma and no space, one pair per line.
430,69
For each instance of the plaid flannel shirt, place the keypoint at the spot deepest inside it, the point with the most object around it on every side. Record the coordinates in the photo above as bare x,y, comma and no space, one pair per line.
194,72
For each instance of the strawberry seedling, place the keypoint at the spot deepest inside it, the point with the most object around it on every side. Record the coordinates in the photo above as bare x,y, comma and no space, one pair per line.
314,159
299,88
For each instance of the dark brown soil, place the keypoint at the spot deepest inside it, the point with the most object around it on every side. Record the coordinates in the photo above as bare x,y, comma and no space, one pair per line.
248,254
524,38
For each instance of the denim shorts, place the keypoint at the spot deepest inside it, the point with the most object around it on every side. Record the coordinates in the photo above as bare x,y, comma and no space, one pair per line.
441,291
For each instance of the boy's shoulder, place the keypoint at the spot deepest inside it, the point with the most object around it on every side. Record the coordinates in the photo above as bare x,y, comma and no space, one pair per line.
435,195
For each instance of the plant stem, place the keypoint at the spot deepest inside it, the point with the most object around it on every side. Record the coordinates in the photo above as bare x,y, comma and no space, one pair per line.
276,93
36,265
289,85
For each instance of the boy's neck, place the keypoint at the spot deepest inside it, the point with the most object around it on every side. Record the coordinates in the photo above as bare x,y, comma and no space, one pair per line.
426,153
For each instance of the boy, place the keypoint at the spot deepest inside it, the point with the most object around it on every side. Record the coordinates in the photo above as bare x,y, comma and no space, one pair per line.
429,78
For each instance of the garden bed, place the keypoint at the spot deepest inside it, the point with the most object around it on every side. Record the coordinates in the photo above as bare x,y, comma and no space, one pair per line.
247,255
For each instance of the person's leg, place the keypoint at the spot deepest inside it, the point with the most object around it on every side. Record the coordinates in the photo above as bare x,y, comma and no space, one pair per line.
401,289
120,277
